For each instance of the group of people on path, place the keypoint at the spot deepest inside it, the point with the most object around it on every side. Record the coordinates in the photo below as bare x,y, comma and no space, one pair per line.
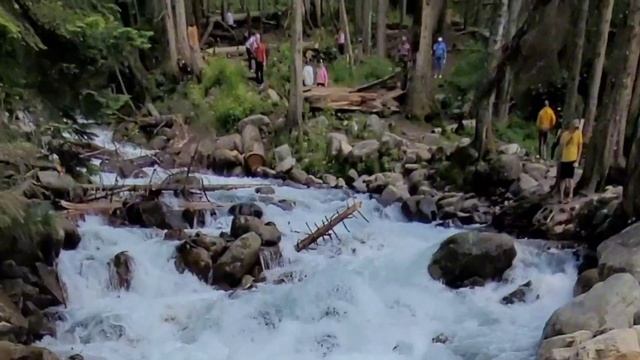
570,142
404,55
315,77
256,50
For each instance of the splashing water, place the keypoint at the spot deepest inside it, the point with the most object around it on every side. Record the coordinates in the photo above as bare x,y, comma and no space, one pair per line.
367,296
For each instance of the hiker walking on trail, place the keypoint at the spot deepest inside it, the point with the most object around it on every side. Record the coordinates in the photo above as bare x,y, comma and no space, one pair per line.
322,77
440,57
307,74
546,122
341,40
261,60
250,47
571,143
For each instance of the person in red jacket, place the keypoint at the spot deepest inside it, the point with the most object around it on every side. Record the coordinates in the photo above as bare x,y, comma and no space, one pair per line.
261,60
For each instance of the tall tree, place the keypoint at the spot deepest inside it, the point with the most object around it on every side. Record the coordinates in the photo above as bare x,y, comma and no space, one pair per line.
418,102
403,11
484,130
294,114
182,38
601,151
381,28
595,76
366,29
171,37
571,98
344,24
506,86
634,109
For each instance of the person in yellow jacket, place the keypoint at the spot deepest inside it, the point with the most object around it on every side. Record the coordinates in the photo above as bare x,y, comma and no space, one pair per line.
546,122
571,145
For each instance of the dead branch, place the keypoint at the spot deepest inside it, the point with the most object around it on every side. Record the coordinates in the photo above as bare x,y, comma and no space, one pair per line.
327,226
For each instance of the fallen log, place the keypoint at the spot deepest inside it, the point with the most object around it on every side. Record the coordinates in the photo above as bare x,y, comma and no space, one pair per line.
375,83
104,206
327,226
253,148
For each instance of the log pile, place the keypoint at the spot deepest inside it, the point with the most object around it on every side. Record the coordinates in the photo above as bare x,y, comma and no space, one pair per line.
347,99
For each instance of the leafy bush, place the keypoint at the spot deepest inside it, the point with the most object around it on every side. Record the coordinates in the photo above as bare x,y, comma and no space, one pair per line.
520,132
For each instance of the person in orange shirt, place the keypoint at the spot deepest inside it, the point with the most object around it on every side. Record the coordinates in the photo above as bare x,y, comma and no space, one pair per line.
546,122
261,60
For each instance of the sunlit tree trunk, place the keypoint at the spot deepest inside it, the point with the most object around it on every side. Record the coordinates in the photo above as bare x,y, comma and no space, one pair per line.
595,77
504,95
484,129
366,29
344,24
418,102
381,30
601,151
294,114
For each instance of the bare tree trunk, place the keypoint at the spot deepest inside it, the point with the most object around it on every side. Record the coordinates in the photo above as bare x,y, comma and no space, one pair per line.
504,95
595,78
484,130
571,98
418,103
182,38
318,11
366,30
630,69
381,33
344,23
403,11
359,5
294,115
600,155
634,109
171,37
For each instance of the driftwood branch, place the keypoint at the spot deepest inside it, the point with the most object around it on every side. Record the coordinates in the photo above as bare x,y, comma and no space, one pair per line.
327,226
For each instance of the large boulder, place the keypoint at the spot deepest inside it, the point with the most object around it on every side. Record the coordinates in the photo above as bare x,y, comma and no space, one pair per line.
268,232
11,351
609,304
246,209
586,281
195,259
238,260
621,253
259,121
284,159
364,150
472,258
609,345
375,125
558,347
338,145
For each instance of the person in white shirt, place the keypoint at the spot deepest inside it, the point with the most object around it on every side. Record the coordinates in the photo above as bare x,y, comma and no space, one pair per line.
228,18
308,75
250,46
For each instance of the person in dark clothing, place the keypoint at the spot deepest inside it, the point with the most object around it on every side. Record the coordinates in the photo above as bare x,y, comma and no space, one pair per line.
261,61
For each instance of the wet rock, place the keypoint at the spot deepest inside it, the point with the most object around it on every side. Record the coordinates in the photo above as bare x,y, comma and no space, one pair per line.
420,208
39,326
586,281
284,204
392,194
284,159
298,175
159,142
121,271
238,260
11,351
338,145
175,234
519,295
620,253
609,304
268,232
247,209
469,255
181,179
259,121
563,346
70,233
195,259
226,160
125,168
364,150
264,190
51,281
359,185
330,180
440,339
75,357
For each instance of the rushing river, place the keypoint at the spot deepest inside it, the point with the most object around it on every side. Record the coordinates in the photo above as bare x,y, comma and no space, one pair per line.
365,297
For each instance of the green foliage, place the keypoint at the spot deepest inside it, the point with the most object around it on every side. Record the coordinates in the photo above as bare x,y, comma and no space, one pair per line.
520,132
450,174
468,72
278,73
224,97
368,70
22,220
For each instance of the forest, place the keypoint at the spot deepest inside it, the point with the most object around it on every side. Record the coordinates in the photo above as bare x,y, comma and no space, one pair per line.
436,107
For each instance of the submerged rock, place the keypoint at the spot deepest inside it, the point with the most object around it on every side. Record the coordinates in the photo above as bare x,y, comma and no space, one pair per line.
518,295
470,258
195,259
609,304
121,270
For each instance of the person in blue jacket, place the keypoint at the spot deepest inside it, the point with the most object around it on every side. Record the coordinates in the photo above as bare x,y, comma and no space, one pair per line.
439,57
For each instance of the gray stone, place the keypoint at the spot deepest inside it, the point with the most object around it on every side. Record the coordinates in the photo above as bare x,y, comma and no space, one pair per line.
259,121
284,158
420,208
338,145
229,142
609,304
620,253
375,125
330,180
509,149
364,150
472,255
298,175
586,281
265,190
238,260
553,348
392,194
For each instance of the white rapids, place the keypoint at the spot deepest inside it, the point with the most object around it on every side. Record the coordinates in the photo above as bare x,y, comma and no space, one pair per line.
365,297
